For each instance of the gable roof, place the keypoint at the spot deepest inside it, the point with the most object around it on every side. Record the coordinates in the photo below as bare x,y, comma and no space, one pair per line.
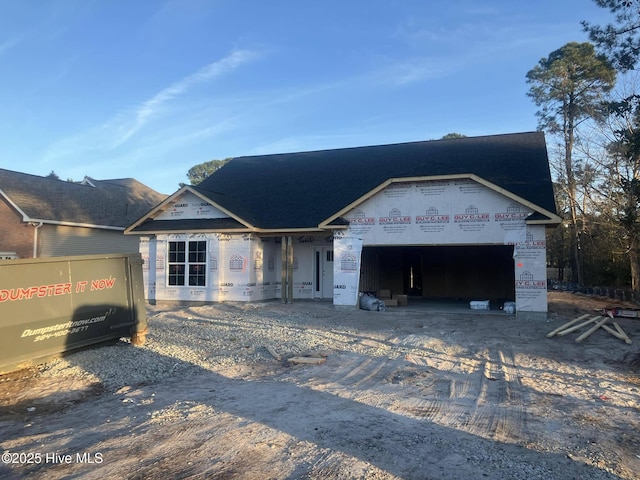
97,203
308,190
304,189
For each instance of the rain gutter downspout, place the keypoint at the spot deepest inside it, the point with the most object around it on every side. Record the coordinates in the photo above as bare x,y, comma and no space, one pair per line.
36,226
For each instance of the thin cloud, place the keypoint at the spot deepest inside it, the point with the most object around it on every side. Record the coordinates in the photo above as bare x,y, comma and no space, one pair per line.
116,131
145,112
418,70
8,45
445,53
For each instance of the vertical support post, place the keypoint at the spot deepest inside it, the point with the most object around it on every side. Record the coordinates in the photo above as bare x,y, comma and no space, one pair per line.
290,268
283,292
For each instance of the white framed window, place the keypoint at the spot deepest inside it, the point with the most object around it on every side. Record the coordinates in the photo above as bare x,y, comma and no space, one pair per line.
187,263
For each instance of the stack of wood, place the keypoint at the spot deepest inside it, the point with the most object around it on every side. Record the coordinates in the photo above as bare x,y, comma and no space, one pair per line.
596,322
308,358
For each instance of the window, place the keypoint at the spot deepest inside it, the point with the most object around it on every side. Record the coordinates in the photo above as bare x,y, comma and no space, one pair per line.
188,259
176,263
197,263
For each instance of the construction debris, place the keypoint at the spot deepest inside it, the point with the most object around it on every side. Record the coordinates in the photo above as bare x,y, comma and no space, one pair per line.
372,303
308,360
620,312
598,321
273,352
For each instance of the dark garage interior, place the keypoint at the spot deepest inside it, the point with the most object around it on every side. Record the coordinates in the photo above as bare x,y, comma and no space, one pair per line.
456,273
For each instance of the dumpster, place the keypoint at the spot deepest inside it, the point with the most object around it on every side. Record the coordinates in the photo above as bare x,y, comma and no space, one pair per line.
53,305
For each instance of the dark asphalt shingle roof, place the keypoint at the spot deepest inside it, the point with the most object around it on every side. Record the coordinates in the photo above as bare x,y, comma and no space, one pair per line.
189,224
113,203
301,190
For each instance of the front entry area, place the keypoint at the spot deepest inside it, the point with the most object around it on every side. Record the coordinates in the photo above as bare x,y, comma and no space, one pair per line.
479,272
323,272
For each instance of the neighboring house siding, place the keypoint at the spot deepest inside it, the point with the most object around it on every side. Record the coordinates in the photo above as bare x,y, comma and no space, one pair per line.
57,240
15,236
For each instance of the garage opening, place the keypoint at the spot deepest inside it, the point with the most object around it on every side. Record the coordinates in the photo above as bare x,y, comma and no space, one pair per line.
460,273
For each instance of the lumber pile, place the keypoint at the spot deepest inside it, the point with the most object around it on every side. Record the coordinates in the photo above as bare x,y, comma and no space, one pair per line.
306,358
594,323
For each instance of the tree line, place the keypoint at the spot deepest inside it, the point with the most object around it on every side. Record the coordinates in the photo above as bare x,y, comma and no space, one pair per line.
589,108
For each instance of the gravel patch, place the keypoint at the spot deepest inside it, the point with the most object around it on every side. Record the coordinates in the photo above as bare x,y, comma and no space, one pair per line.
186,341
402,394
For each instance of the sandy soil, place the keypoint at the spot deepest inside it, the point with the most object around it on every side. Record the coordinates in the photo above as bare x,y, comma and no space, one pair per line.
401,394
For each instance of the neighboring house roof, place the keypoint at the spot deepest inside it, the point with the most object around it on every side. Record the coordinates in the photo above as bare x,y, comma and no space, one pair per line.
310,189
97,203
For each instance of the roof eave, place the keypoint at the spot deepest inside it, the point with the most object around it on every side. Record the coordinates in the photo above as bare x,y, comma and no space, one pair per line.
25,217
553,218
318,229
261,231
203,230
551,222
187,188
74,224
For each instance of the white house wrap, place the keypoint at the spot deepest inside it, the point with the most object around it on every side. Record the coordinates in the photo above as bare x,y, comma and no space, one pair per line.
463,218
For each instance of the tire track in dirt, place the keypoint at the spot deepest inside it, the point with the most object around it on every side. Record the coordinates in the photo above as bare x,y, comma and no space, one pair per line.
480,393
363,372
499,408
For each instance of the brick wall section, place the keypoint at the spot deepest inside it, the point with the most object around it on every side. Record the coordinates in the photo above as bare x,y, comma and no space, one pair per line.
15,236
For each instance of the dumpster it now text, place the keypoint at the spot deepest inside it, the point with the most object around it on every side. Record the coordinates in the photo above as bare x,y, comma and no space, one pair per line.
39,291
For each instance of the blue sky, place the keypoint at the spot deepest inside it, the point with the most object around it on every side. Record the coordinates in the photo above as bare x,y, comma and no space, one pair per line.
148,88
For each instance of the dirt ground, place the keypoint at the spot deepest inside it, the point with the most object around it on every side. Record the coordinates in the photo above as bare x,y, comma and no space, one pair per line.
440,396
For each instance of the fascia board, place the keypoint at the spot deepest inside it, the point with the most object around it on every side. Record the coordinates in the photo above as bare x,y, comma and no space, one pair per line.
553,218
277,231
550,222
25,217
74,224
181,230
261,231
155,210
171,198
